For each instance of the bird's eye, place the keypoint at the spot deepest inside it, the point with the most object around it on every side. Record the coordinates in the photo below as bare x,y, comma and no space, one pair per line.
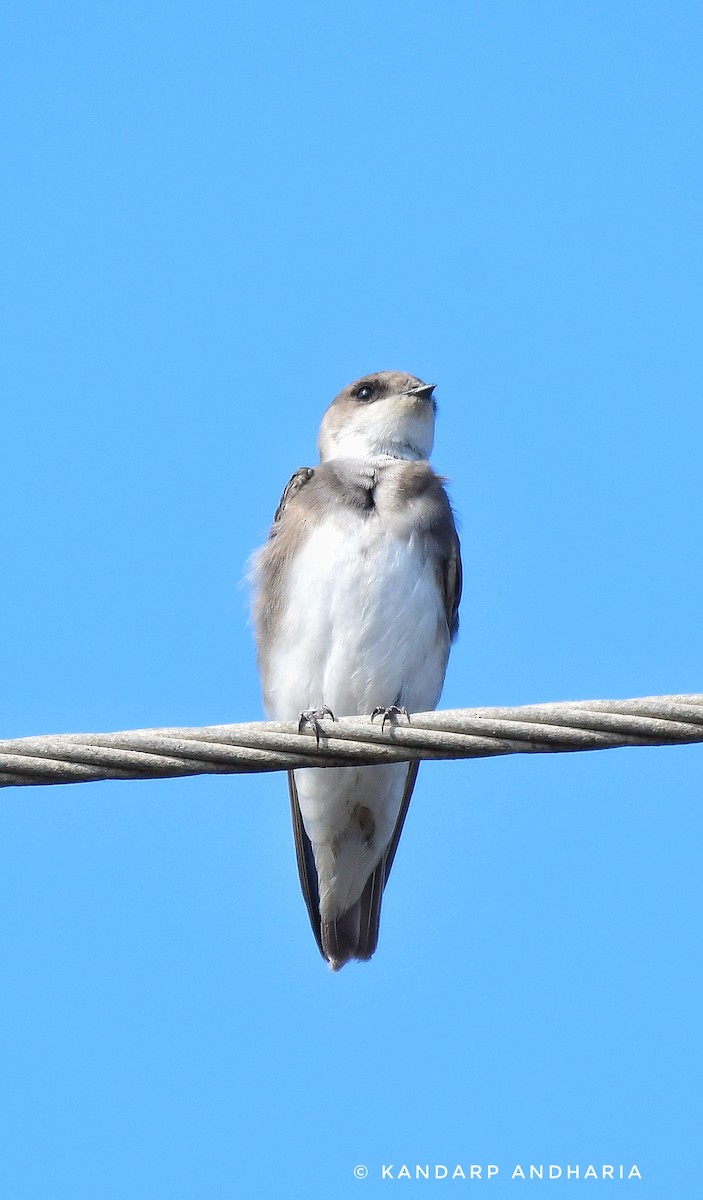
365,391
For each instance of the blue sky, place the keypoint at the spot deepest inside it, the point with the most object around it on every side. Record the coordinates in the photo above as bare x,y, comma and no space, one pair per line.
216,216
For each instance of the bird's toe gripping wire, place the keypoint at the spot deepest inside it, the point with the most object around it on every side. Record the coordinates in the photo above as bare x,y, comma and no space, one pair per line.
312,717
390,714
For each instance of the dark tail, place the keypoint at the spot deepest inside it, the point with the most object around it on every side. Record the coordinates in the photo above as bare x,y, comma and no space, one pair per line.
353,935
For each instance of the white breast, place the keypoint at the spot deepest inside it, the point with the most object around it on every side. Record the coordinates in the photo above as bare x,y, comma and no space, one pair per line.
364,623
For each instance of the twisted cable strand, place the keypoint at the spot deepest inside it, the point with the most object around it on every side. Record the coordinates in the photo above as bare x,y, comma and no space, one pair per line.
555,727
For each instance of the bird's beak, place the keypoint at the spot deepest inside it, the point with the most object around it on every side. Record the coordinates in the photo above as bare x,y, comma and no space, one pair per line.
423,391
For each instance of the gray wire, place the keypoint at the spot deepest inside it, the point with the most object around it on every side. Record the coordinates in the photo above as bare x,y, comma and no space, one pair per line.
274,746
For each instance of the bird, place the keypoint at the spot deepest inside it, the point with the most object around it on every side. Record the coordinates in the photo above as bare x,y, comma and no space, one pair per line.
356,598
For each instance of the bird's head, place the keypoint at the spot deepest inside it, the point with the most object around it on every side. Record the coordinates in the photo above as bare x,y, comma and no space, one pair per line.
386,413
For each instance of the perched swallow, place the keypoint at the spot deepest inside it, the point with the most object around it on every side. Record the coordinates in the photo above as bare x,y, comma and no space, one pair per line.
357,596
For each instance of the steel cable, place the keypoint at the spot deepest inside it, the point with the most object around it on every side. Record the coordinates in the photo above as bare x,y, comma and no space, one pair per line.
274,746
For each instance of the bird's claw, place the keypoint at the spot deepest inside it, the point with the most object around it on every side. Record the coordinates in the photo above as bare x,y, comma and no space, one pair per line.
312,717
390,714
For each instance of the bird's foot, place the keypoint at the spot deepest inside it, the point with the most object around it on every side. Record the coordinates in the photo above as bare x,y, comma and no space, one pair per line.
312,717
390,714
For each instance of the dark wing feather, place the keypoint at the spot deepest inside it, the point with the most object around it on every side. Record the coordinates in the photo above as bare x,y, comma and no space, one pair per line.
410,779
452,584
306,861
295,483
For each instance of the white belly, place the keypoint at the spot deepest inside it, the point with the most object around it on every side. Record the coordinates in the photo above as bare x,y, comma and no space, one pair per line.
364,625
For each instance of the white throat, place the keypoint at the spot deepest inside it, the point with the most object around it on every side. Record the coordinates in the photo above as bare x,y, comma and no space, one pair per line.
391,429
355,444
